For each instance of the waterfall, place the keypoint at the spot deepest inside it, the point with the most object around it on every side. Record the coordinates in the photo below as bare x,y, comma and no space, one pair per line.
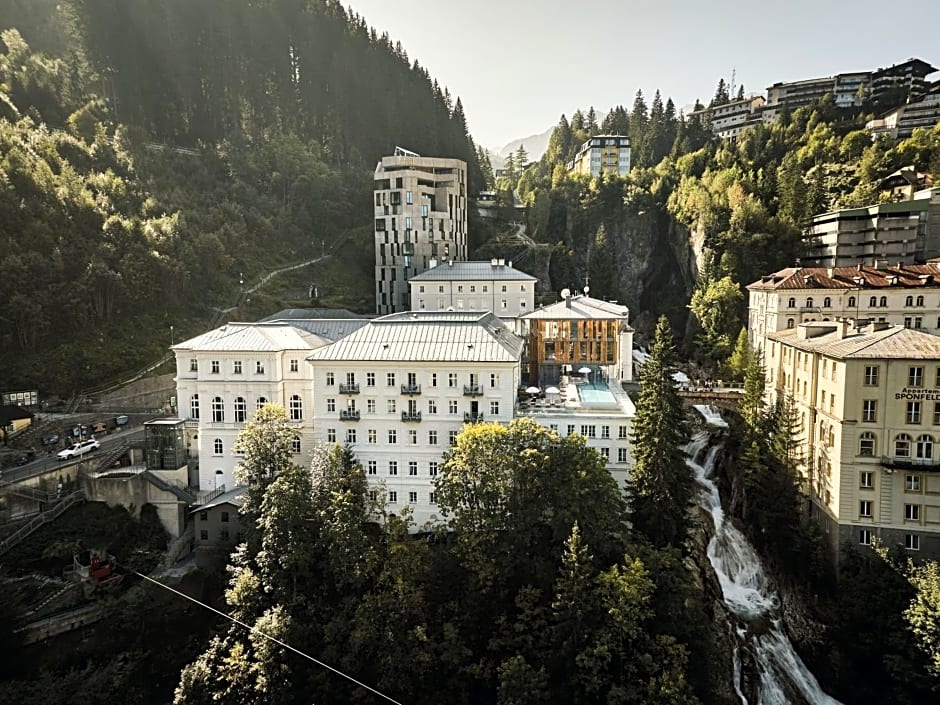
753,608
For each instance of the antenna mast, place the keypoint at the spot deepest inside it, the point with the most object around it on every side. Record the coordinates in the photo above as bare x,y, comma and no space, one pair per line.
731,93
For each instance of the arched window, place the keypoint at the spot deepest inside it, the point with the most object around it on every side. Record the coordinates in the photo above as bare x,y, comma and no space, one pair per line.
218,477
790,323
791,303
827,302
909,301
261,402
809,302
296,407
241,410
194,406
295,445
902,446
217,446
851,302
218,410
883,302
873,301
924,447
866,444
920,300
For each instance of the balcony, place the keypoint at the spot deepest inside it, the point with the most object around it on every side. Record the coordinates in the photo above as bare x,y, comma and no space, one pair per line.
922,464
411,389
472,417
352,388
407,416
349,415
472,390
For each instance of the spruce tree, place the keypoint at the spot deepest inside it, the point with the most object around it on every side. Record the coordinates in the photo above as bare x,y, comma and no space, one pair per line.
752,401
740,356
661,484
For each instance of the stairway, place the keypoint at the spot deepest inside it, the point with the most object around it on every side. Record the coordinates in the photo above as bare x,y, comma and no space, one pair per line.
40,519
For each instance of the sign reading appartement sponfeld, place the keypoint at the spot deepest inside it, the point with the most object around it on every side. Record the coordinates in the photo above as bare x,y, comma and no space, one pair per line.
918,394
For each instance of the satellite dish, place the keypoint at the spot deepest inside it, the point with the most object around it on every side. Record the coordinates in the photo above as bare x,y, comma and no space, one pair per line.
565,293
586,290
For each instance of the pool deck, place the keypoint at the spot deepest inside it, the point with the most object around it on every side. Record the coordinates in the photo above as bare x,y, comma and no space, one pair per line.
602,400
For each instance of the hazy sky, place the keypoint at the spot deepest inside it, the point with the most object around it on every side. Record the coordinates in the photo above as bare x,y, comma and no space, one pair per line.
518,65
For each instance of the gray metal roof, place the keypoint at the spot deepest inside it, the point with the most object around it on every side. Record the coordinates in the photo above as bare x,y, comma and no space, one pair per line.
893,342
581,307
472,271
428,336
290,314
330,329
254,337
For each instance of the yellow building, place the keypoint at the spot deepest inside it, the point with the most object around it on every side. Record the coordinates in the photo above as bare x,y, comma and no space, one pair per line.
603,154
868,408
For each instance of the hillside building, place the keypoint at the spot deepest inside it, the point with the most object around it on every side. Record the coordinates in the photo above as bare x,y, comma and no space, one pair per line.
420,215
901,122
729,120
906,295
903,231
868,411
602,155
904,82
474,286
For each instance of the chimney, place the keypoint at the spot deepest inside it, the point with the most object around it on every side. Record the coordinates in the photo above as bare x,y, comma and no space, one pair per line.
567,302
510,263
432,263
829,272
450,263
493,262
502,263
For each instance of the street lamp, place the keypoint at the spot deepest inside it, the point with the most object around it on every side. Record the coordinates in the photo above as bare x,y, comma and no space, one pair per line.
171,336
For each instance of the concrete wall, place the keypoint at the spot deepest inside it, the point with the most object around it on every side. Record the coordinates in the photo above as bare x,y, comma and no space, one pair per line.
150,393
134,492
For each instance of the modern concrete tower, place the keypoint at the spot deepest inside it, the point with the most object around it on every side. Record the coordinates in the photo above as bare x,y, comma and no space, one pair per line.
420,215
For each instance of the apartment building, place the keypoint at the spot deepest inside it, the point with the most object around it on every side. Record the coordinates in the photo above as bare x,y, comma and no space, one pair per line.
223,376
602,154
868,409
899,83
903,231
420,215
474,286
729,120
400,389
901,122
905,295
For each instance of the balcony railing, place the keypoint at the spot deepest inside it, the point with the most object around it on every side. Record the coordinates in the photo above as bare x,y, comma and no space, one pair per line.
472,417
349,388
472,390
411,416
349,415
924,464
411,389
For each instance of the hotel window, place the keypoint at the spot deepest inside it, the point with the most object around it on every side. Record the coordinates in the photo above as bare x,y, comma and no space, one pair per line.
605,452
331,405
294,366
218,410
570,429
237,367
296,405
827,302
350,435
390,406
295,445
621,455
331,435
912,512
908,323
434,379
791,303
494,408
494,380
923,449
412,498
912,542
259,367
432,498
460,288
909,301
241,410
372,436
915,376
452,437
330,379
912,483
432,437
452,379
902,446
370,379
883,302
413,468
217,446
851,302
432,468
503,304
605,431
913,412
452,406
194,406
866,444
870,410
936,413
790,323
864,537
918,322
873,301
373,495
215,367
871,376
920,301
372,467
412,434
370,406
864,508
809,302
866,479
194,365
432,406
392,467
390,379
392,436
938,377
392,497
409,197
261,401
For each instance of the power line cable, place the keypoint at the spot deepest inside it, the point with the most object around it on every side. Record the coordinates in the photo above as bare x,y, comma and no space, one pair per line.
266,636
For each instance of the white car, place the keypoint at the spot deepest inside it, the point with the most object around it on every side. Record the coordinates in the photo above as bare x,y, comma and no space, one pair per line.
77,450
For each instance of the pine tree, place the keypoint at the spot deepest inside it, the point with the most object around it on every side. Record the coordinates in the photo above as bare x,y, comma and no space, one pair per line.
591,121
721,94
522,157
741,356
661,484
740,92
752,401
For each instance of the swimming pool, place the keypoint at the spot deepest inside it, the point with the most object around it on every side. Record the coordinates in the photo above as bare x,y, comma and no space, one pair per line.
595,395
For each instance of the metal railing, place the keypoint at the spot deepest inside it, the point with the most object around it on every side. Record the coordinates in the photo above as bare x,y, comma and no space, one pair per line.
472,390
349,415
410,416
472,417
351,388
43,517
411,389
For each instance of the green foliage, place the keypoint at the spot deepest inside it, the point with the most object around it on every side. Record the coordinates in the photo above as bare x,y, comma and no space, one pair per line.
661,483
740,356
716,304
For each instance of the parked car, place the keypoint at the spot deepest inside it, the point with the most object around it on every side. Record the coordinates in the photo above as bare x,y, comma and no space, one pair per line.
25,458
77,450
50,439
99,427
120,420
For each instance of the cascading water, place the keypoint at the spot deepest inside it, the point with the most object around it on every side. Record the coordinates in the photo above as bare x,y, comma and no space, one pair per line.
781,676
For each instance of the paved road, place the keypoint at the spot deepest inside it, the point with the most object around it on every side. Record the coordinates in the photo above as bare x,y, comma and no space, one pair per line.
47,462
